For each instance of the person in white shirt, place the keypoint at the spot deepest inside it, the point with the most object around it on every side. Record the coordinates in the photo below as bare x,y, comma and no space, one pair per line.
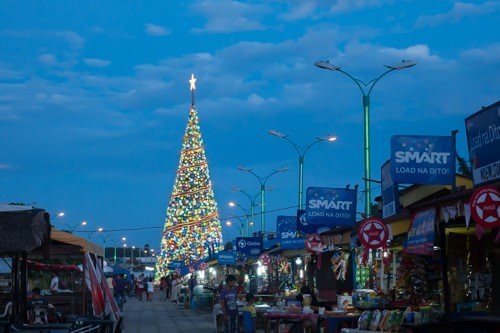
54,283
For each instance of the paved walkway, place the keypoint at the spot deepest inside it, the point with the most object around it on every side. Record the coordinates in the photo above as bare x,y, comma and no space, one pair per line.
164,316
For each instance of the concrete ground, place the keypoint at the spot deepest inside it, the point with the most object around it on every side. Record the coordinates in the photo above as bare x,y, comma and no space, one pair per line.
164,316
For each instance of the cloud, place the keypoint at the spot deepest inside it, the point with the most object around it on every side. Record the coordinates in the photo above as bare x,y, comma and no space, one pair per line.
231,16
48,59
459,11
5,166
156,30
342,6
94,62
71,37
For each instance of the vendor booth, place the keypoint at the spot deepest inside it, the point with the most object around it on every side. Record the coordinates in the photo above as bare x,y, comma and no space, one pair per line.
37,253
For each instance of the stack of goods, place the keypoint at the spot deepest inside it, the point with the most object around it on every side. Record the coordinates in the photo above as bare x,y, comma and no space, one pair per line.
369,299
377,320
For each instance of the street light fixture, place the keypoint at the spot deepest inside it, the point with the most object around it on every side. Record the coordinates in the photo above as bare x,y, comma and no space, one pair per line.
251,198
262,182
240,227
301,152
366,89
247,216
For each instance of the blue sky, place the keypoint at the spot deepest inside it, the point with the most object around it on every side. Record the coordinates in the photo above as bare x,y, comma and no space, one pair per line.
94,96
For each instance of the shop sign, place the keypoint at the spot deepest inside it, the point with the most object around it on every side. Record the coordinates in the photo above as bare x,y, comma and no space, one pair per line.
292,243
226,258
373,233
418,159
327,208
421,234
390,192
485,206
483,139
249,246
314,243
286,227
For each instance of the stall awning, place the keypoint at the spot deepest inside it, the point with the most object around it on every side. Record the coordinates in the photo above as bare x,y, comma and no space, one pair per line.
69,238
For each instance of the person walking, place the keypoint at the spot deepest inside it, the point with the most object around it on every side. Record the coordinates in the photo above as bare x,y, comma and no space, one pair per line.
139,287
168,286
229,306
149,289
119,290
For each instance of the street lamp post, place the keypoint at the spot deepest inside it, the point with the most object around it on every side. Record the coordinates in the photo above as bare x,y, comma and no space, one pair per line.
240,228
251,198
262,182
366,89
301,152
104,239
123,239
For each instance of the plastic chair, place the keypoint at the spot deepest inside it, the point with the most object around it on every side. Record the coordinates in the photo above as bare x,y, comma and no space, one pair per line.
248,324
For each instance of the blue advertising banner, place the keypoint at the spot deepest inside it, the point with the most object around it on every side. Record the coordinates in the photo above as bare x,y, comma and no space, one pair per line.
390,193
418,159
226,258
292,243
421,233
483,138
249,247
327,208
286,227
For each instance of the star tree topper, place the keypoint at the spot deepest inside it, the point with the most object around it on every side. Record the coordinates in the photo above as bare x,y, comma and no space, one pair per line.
192,87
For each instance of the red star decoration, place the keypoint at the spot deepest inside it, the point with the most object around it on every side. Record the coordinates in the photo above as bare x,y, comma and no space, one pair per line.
373,234
489,207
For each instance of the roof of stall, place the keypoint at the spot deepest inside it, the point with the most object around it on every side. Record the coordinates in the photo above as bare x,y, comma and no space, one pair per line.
23,230
72,239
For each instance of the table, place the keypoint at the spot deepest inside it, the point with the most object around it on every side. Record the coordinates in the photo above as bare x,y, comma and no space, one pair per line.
279,316
334,320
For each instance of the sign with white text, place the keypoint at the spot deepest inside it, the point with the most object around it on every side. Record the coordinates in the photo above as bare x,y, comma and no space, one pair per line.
418,159
483,138
226,258
286,227
327,208
421,234
249,247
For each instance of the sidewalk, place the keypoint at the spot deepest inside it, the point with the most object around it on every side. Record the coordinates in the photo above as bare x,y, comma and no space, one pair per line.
164,316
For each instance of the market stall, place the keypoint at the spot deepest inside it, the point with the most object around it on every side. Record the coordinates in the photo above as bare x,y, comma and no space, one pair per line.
36,253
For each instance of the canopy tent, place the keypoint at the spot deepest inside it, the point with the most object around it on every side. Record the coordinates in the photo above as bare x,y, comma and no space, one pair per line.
118,269
81,243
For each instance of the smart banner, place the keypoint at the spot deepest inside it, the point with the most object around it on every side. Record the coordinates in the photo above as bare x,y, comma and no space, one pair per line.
226,258
249,247
421,233
286,227
327,208
292,243
483,138
390,193
418,159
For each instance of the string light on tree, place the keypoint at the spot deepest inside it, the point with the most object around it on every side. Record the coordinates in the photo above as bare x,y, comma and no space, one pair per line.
192,226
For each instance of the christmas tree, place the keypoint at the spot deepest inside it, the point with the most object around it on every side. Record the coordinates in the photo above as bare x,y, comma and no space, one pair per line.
192,226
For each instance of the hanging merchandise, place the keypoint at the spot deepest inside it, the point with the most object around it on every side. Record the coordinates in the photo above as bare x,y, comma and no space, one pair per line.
339,264
314,244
